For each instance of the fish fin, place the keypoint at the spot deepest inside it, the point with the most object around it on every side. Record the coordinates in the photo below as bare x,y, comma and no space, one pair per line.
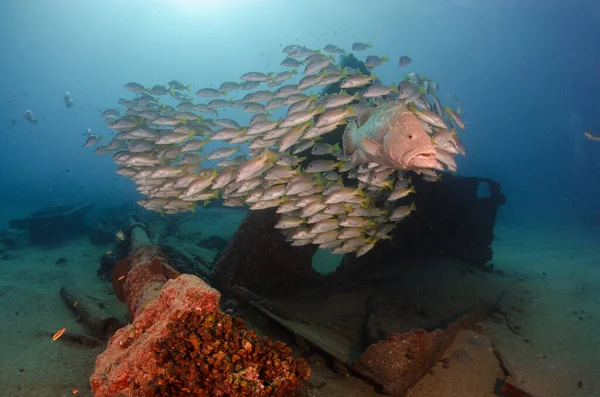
319,179
364,116
335,149
371,146
348,138
385,58
366,202
270,155
411,106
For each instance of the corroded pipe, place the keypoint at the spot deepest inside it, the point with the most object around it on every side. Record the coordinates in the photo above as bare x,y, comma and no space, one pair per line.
99,324
178,336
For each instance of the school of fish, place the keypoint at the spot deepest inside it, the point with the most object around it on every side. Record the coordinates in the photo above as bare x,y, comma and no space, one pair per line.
347,198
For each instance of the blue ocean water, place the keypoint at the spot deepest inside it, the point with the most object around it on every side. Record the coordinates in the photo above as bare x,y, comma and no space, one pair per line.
524,71
527,73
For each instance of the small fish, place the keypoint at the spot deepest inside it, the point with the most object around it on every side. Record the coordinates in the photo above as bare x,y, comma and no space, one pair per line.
120,235
322,166
591,136
208,92
58,334
402,212
256,165
110,113
357,80
135,87
361,46
333,116
404,61
92,140
290,63
429,117
229,86
316,65
221,153
68,101
324,226
400,192
302,52
373,61
321,149
123,123
408,91
332,49
378,90
255,76
29,117
159,90
300,117
456,117
340,99
176,85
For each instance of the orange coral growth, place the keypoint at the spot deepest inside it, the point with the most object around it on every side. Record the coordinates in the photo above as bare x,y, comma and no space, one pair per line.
215,355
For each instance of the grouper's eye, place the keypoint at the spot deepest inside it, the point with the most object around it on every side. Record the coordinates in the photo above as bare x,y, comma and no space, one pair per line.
410,136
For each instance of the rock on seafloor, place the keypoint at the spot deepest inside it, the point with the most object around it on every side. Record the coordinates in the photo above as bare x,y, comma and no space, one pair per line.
400,361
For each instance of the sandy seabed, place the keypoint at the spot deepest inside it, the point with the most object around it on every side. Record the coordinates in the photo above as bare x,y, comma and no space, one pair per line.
554,300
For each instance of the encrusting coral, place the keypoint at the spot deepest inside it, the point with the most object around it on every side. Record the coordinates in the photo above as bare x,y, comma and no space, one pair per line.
213,354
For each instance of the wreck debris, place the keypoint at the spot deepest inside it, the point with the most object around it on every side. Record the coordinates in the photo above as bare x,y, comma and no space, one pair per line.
52,225
177,321
99,323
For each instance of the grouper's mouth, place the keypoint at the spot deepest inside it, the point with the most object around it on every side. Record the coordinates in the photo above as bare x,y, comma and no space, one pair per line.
422,157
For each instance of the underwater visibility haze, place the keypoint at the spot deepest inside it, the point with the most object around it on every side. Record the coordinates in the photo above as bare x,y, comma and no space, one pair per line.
335,117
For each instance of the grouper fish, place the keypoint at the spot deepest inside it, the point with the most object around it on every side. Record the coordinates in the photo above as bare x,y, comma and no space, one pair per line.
389,135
